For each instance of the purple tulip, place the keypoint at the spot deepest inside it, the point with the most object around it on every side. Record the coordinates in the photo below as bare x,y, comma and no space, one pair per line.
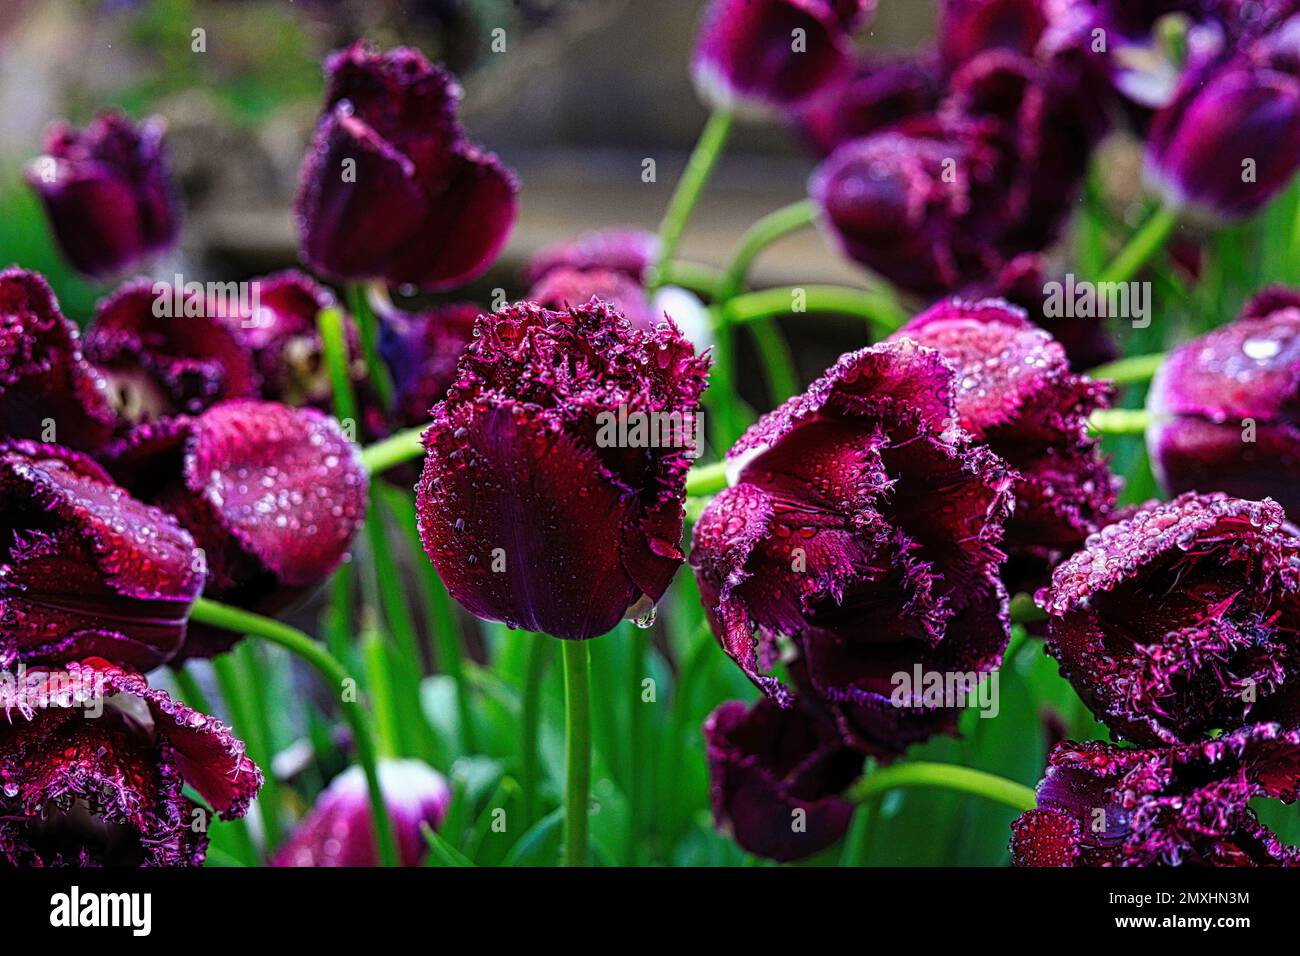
1016,393
162,360
1230,139
1223,407
108,193
422,351
1103,805
273,495
970,27
48,391
93,766
776,776
628,251
759,56
339,830
391,189
1179,620
863,524
85,569
871,97
536,506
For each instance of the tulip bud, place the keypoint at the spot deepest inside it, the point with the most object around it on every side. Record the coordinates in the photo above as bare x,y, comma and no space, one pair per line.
1223,407
339,830
108,193
391,189
757,56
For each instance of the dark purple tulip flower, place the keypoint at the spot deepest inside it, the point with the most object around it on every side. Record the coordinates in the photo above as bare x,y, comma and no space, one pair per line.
108,193
1180,620
85,569
862,523
93,762
48,391
776,776
422,351
167,351
970,27
273,495
1189,805
900,203
757,56
870,97
560,288
1230,139
1025,281
339,831
283,337
537,507
391,188
1016,393
1224,407
624,250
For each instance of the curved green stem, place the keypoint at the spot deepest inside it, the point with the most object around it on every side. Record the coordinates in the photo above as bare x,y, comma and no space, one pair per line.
393,450
368,327
878,309
699,168
1119,421
1145,243
706,479
334,675
696,277
334,345
1132,370
782,222
946,777
577,750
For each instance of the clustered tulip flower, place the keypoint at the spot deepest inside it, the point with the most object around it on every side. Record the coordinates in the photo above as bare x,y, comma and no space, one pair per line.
93,766
108,193
391,188
1103,805
516,468
858,502
1016,393
1222,406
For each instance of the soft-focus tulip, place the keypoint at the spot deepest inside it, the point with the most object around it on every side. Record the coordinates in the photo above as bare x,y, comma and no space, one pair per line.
899,203
93,762
273,495
862,523
48,391
757,56
1224,407
1103,805
422,351
339,831
561,288
969,27
1015,392
1230,139
628,251
1026,281
871,97
85,569
391,188
776,776
1180,620
162,360
537,507
108,193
